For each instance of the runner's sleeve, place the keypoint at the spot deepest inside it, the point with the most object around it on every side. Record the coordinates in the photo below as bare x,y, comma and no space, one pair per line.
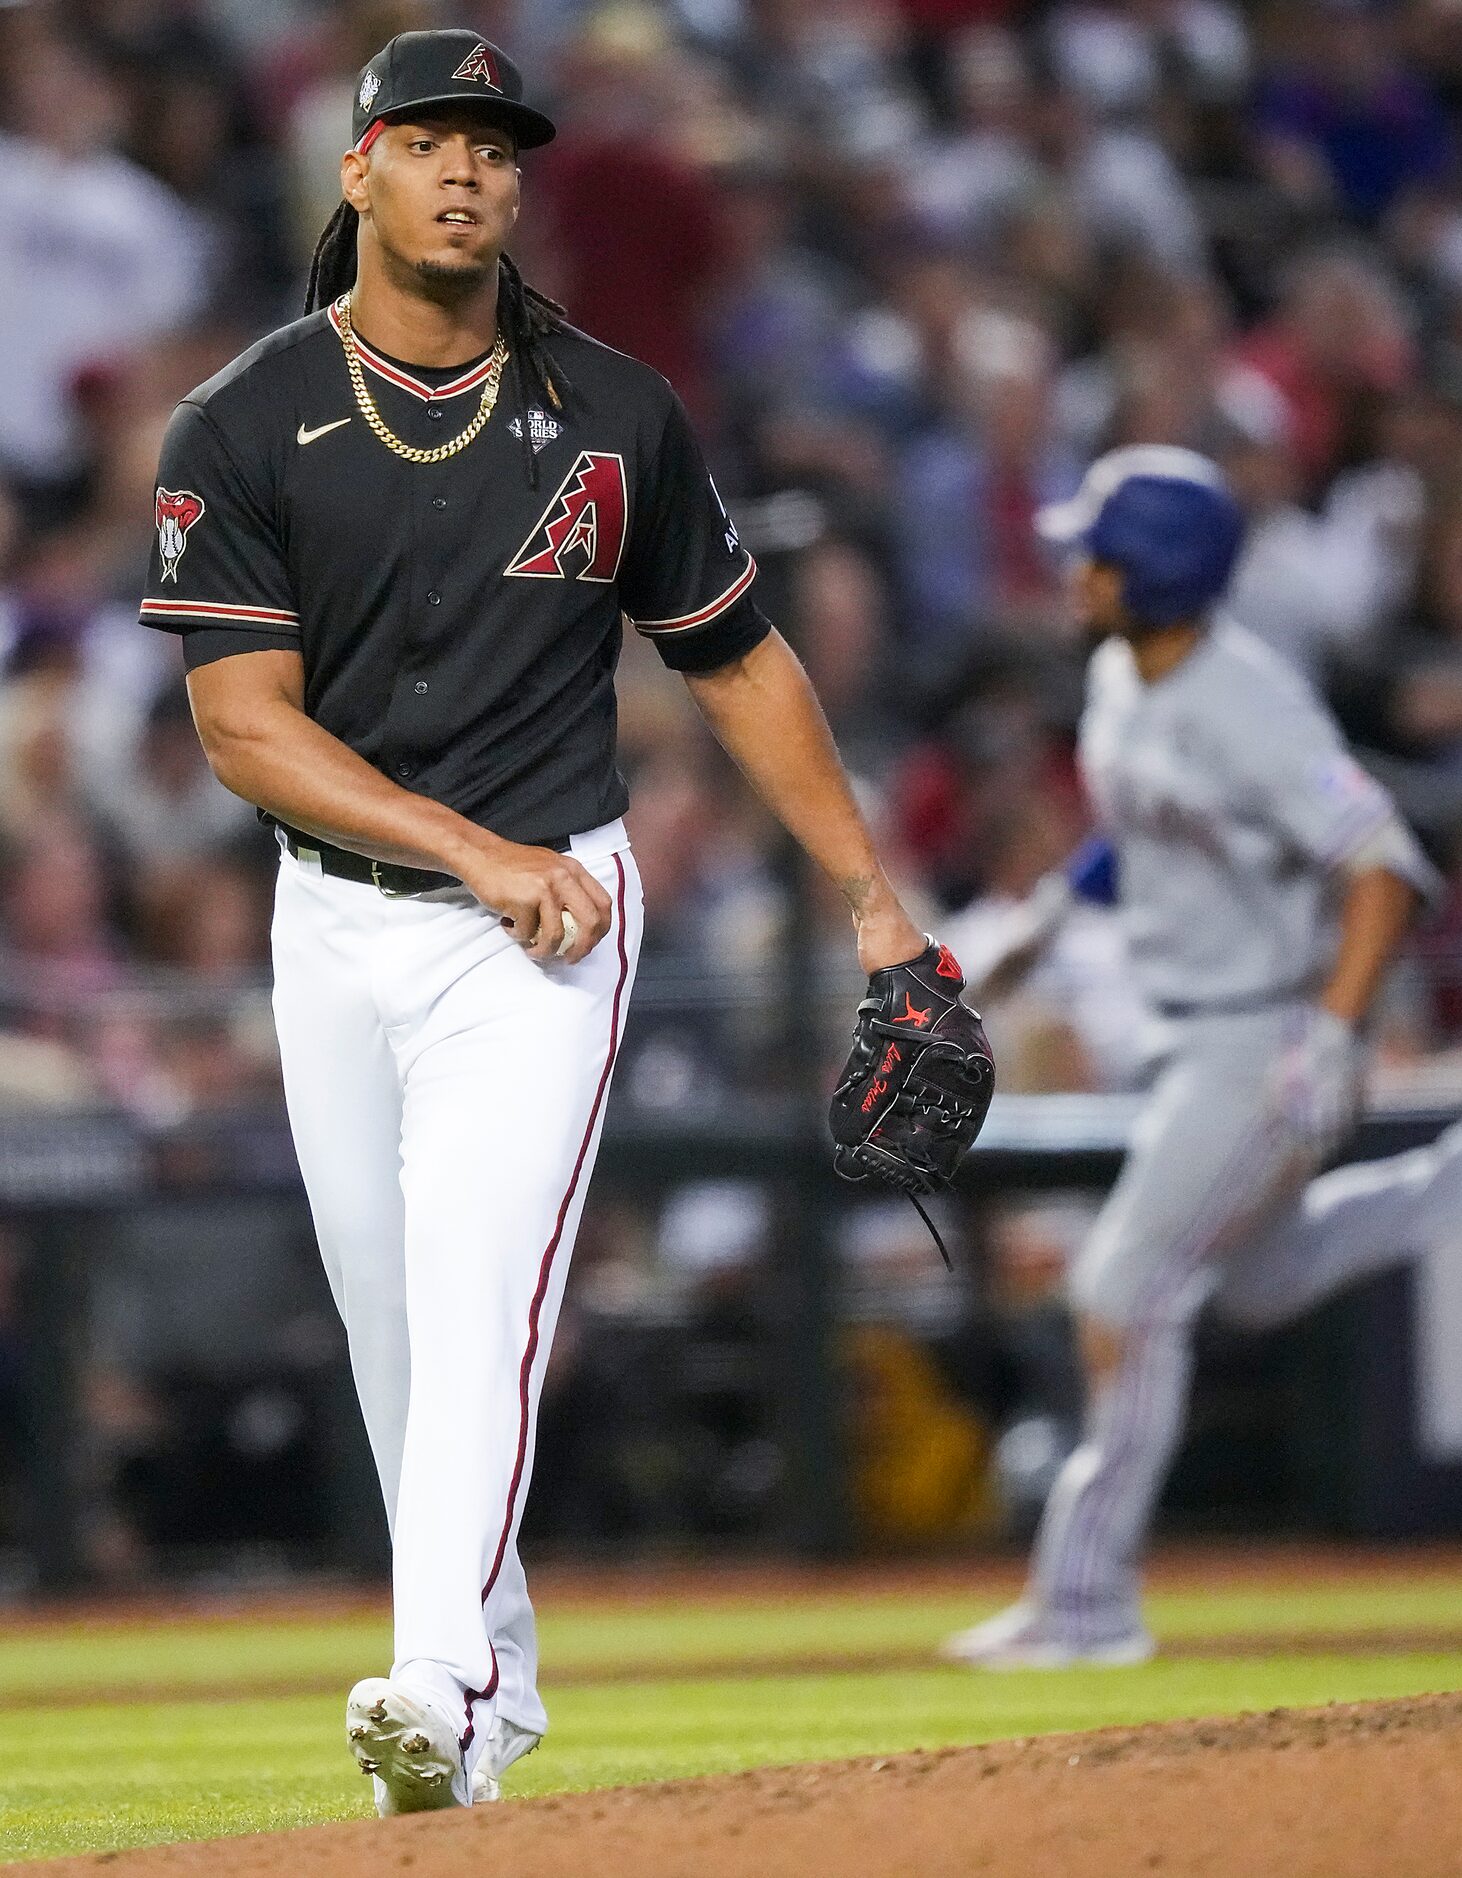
1291,768
217,573
686,578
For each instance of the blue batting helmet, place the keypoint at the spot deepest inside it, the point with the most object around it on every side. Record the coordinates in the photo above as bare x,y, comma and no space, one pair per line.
1166,518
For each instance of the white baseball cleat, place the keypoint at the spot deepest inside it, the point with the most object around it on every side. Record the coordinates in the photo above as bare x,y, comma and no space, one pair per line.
407,1744
506,1743
1024,1638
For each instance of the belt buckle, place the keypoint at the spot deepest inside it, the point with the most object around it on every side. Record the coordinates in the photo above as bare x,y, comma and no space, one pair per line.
391,893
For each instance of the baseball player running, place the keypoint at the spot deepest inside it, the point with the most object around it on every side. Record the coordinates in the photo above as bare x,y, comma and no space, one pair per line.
1263,880
398,538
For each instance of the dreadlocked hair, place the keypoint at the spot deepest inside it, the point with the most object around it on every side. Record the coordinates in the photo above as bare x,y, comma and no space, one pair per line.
332,266
527,320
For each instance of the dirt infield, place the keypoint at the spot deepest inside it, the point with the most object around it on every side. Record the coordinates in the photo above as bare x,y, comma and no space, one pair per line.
1347,1792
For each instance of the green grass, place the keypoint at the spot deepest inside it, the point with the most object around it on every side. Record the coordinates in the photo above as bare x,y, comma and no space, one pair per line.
107,1773
197,1653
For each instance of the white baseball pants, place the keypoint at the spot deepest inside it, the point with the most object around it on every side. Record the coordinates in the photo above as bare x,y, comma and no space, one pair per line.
446,1095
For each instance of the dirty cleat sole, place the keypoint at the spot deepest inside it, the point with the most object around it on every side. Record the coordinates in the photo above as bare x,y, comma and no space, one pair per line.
412,1752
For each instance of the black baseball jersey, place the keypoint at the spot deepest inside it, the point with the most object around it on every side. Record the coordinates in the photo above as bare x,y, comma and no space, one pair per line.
459,628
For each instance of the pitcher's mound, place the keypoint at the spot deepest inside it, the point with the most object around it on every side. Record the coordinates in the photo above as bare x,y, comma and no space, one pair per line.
1369,1791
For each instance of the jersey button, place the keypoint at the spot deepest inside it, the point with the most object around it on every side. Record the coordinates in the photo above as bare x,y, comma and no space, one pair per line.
420,685
439,502
434,599
434,412
403,770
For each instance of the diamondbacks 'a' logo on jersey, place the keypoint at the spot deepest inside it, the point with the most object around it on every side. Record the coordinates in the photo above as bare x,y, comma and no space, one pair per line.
580,535
480,64
175,511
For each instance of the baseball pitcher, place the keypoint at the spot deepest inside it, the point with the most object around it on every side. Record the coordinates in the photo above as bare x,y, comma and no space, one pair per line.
400,539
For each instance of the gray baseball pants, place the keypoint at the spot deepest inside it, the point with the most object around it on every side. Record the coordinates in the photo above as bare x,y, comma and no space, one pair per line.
1216,1200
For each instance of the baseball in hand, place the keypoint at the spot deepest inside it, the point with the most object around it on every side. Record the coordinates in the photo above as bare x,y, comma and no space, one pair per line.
570,932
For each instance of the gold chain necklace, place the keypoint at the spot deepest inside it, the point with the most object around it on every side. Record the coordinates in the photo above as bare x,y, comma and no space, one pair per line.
378,424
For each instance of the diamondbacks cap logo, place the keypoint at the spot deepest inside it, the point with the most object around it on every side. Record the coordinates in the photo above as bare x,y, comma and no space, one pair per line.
580,535
175,511
369,86
481,65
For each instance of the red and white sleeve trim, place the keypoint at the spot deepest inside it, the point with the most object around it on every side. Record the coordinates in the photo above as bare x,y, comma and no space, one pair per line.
687,622
219,611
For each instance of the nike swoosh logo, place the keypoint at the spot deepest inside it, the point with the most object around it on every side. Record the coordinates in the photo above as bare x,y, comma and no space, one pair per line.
308,436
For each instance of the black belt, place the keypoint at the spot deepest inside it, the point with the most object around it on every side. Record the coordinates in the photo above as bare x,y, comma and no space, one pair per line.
389,876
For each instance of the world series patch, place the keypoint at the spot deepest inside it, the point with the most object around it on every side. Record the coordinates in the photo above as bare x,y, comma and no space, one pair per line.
542,429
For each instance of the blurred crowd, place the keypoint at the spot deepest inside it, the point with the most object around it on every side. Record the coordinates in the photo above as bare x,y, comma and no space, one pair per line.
911,264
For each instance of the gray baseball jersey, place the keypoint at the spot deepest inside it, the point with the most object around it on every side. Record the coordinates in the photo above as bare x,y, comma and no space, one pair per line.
1231,800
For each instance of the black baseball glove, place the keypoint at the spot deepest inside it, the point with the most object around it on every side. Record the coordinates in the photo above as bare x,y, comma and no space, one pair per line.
916,1087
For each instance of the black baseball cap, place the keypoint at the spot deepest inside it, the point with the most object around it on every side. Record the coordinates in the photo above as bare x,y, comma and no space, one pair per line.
451,66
